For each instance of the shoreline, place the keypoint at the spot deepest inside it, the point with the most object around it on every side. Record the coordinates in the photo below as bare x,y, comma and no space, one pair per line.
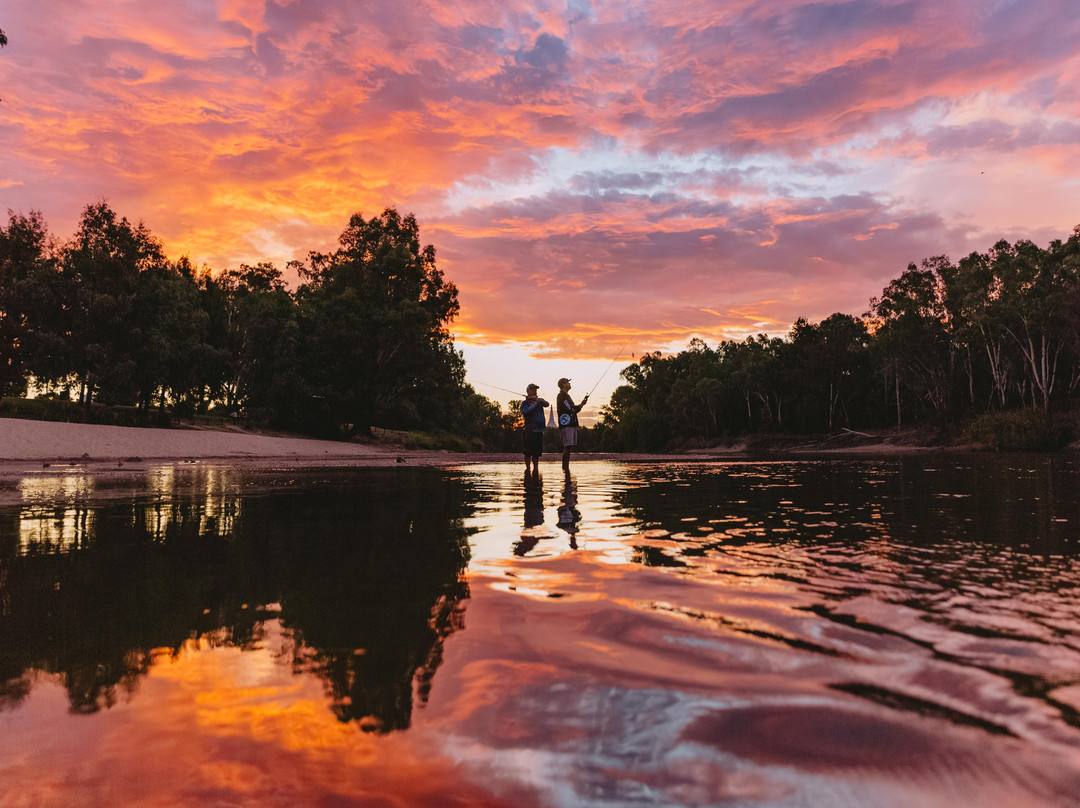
120,460
28,444
61,441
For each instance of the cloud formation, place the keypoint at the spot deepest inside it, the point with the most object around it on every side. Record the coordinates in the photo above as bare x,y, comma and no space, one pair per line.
586,170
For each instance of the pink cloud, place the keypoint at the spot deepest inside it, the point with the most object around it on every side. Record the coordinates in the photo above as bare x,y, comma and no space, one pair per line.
774,162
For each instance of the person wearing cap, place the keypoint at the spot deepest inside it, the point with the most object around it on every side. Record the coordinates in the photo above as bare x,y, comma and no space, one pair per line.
567,412
532,408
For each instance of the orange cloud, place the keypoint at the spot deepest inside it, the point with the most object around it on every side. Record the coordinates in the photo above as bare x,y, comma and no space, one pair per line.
580,161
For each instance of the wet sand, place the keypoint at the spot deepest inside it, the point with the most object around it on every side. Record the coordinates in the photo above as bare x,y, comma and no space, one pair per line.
50,447
26,444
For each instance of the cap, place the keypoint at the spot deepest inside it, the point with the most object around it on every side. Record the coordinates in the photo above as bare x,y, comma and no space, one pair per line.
563,381
532,387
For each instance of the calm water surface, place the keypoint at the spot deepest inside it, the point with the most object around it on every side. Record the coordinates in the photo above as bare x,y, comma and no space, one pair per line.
791,633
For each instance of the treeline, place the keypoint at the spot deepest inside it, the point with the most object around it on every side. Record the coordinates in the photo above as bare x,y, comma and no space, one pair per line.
946,344
106,318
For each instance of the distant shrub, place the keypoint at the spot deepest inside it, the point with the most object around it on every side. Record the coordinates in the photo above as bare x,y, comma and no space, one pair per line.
58,409
1017,430
41,409
431,441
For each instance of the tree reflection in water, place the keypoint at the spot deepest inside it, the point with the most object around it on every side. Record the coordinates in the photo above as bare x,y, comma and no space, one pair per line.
368,574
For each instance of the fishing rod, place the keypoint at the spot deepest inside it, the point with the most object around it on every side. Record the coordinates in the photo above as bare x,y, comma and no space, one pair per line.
613,361
602,375
504,389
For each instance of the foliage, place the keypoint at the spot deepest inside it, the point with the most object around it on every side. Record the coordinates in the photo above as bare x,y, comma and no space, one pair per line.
374,318
106,318
435,441
1028,429
29,301
364,342
61,409
944,344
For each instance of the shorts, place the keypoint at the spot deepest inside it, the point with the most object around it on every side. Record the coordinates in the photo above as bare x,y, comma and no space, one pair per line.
532,443
569,436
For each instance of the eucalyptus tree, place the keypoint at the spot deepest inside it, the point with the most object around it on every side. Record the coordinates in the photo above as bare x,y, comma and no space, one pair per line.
374,319
1035,287
28,296
911,338
102,264
254,324
757,368
636,417
829,368
167,330
696,397
973,297
1069,255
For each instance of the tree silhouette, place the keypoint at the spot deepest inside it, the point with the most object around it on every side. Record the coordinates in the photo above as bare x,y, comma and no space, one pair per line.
375,317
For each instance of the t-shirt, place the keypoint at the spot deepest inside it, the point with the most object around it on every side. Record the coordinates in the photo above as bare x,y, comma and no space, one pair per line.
566,410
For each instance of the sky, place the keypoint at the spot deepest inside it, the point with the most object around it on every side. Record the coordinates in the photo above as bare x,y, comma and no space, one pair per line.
600,178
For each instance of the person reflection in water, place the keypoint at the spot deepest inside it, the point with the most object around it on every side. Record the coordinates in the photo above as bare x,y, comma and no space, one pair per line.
534,513
569,515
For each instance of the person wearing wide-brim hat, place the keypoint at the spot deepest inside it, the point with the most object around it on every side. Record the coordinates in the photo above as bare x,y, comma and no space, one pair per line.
567,412
532,434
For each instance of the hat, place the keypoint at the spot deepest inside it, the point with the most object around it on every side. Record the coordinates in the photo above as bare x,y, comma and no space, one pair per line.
563,381
532,387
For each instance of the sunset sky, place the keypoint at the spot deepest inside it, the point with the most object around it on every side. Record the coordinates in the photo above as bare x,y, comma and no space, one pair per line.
595,175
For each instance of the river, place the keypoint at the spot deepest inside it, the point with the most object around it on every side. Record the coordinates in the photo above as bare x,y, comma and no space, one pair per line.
805,632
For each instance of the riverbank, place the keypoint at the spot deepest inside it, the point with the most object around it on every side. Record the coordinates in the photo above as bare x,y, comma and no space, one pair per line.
48,442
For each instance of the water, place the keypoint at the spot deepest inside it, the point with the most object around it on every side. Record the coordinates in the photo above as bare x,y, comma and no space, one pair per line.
793,633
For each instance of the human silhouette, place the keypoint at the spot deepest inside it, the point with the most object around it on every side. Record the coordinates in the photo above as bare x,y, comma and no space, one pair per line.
569,515
534,512
532,432
568,420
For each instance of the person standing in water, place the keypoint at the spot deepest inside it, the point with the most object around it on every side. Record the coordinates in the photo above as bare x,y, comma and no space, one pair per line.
532,435
567,411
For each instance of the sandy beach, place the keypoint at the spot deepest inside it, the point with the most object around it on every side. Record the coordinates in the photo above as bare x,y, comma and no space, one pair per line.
23,440
125,456
37,444
26,443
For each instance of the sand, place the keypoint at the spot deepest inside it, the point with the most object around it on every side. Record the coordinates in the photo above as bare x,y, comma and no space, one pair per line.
23,440
51,446
43,443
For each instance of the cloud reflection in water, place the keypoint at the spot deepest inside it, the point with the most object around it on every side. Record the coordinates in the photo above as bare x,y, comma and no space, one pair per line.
758,633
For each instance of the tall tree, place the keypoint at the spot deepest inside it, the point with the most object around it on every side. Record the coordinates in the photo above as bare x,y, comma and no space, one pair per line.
638,410
829,364
757,366
168,334
257,325
374,318
1035,286
27,293
912,337
973,299
102,264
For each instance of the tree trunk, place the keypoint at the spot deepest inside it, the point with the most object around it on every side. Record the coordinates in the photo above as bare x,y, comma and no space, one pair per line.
896,369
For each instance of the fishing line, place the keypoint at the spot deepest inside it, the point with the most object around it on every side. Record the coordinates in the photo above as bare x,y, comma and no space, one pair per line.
613,361
602,375
496,387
